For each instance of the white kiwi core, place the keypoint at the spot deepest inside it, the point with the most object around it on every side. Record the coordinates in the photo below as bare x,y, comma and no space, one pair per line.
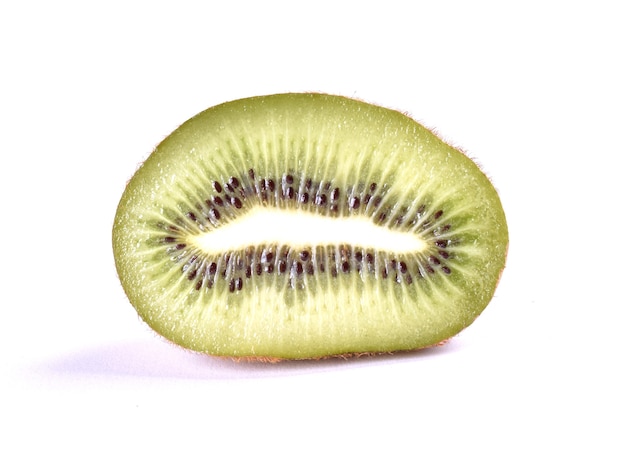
300,229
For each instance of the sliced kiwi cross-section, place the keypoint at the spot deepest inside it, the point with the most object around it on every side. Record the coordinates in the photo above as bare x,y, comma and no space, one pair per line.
308,225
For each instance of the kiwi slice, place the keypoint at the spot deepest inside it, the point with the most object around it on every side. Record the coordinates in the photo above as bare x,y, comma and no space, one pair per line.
308,225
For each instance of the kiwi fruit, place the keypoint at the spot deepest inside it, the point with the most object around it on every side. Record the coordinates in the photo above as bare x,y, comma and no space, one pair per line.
297,226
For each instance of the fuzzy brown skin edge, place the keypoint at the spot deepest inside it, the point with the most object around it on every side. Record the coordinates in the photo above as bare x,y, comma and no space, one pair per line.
347,356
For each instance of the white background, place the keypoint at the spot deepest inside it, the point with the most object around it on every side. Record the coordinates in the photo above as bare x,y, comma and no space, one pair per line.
534,91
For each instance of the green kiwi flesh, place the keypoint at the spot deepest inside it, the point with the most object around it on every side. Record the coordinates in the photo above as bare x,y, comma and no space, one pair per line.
217,246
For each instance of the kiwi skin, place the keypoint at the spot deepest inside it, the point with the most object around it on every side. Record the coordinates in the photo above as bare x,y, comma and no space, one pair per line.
296,135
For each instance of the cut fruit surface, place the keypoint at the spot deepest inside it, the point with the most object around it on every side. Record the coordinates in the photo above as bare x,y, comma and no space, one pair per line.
308,225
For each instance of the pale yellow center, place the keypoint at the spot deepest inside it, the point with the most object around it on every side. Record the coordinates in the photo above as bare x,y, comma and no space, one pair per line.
299,229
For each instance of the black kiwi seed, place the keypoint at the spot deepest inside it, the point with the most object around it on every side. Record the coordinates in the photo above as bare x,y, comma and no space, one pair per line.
215,214
236,202
355,202
283,298
434,260
267,257
320,200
